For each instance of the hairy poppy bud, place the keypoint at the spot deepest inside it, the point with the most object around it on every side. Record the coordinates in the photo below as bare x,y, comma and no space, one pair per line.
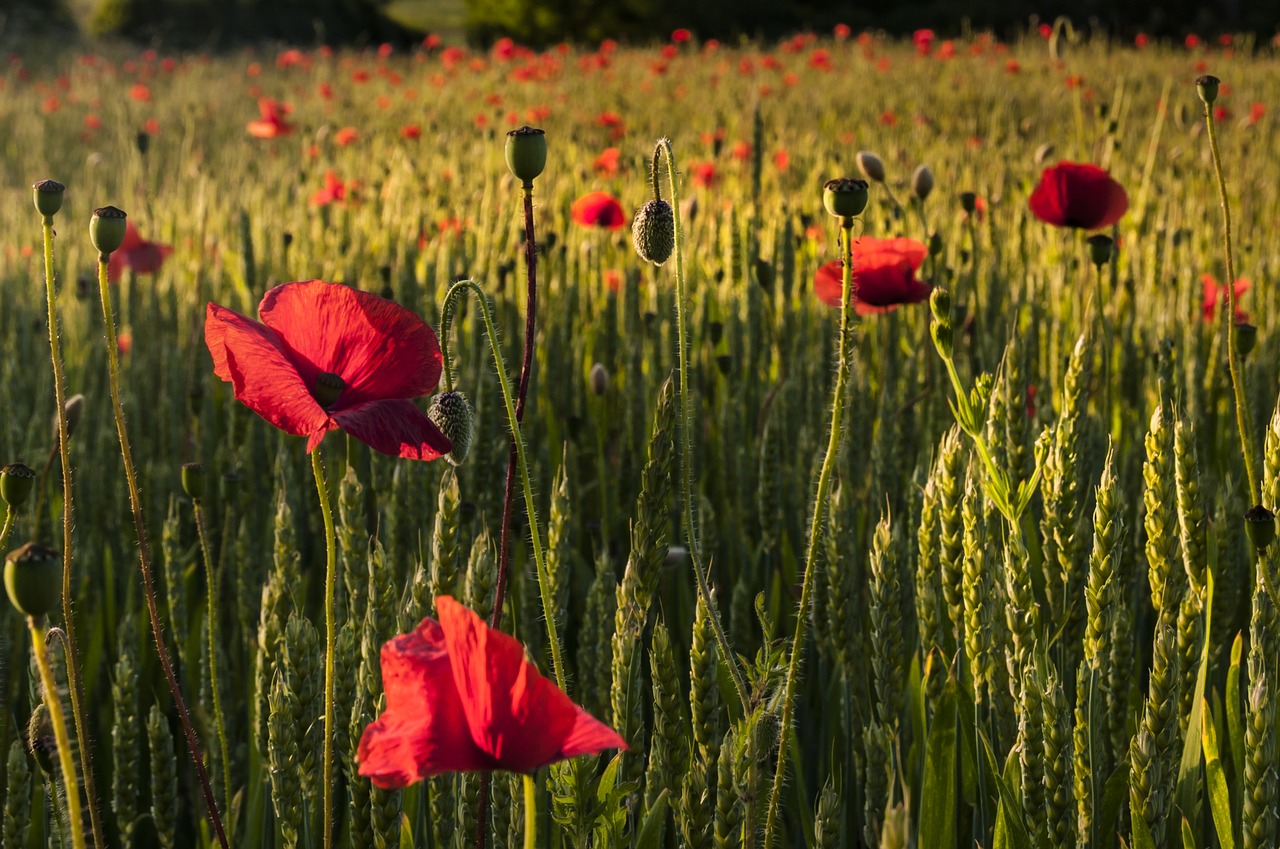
526,153
40,739
845,197
599,379
48,195
193,480
1260,525
107,228
1100,248
654,232
1246,338
73,409
922,182
33,579
871,166
1207,88
16,482
451,412
968,202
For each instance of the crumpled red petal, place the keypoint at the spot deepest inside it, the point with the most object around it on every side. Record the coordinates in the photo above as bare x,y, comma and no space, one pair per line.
396,427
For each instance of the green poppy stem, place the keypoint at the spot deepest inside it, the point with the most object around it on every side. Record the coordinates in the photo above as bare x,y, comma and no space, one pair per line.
530,813
211,579
330,641
41,650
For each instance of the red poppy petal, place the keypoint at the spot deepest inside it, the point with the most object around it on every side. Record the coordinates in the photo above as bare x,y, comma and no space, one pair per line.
147,257
396,427
911,250
380,349
423,731
132,238
515,715
116,266
828,283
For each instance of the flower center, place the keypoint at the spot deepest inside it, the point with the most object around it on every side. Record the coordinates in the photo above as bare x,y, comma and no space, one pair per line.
328,388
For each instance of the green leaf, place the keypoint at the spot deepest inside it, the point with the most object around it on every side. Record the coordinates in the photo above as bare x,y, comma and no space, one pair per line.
1114,793
406,832
1188,797
655,822
1010,809
1219,796
938,830
1188,839
1235,720
1142,838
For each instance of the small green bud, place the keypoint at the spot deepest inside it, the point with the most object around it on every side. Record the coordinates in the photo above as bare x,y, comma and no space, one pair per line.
943,337
871,166
1246,338
1207,88
599,379
451,412
1260,525
968,202
653,233
33,579
106,230
1100,249
940,304
980,394
49,197
845,197
526,153
16,482
193,480
922,182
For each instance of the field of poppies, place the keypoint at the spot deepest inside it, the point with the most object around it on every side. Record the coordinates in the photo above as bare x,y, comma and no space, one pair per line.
838,442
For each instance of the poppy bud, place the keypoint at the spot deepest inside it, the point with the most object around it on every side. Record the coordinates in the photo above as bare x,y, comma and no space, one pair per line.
599,379
526,153
73,410
451,412
968,202
193,480
1246,338
654,232
940,304
143,141
107,229
922,182
49,197
1043,152
43,745
845,197
935,244
33,579
1260,525
871,166
942,334
1100,248
724,362
16,482
1207,88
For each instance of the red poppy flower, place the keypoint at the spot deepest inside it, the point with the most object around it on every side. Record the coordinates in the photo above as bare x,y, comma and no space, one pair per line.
606,163
136,254
462,697
883,275
328,357
346,136
599,209
272,124
1215,291
334,191
1076,194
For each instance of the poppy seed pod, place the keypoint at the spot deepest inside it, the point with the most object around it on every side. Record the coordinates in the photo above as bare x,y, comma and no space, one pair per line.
599,379
526,153
1246,338
451,412
48,196
653,233
193,480
871,166
845,197
33,579
16,482
968,202
107,229
1207,88
1100,249
1260,525
922,182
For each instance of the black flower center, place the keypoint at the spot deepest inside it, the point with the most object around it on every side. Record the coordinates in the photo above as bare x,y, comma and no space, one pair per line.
328,389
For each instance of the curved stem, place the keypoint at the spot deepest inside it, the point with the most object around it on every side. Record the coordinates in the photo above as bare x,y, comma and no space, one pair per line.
535,538
9,517
63,741
815,530
1244,421
211,579
144,560
330,640
530,813
686,441
73,670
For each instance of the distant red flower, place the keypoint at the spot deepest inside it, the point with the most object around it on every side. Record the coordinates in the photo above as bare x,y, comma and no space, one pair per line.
1045,30
1074,194
883,275
606,164
704,174
1193,41
781,159
411,132
346,136
334,191
462,697
124,343
613,279
842,32
272,123
1215,291
151,126
1141,40
328,357
136,254
1256,111
599,209
140,93
681,35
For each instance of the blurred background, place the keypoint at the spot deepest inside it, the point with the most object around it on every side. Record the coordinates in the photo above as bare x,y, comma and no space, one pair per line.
224,23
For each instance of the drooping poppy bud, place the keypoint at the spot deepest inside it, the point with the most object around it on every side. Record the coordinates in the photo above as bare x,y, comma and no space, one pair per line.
599,379
526,153
107,230
871,166
1260,525
193,480
48,197
1246,338
653,233
451,413
33,579
16,482
922,182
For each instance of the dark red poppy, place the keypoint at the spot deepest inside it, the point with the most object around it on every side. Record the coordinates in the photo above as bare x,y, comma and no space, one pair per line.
1215,292
599,209
883,275
462,697
136,254
1076,194
328,357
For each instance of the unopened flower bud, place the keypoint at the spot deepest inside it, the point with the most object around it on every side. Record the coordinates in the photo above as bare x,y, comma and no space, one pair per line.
451,412
724,362
943,337
1260,525
48,194
73,409
16,482
599,379
940,304
922,182
871,166
1246,338
935,244
33,579
1207,88
40,739
845,197
1100,248
193,480
968,202
107,228
526,153
654,231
